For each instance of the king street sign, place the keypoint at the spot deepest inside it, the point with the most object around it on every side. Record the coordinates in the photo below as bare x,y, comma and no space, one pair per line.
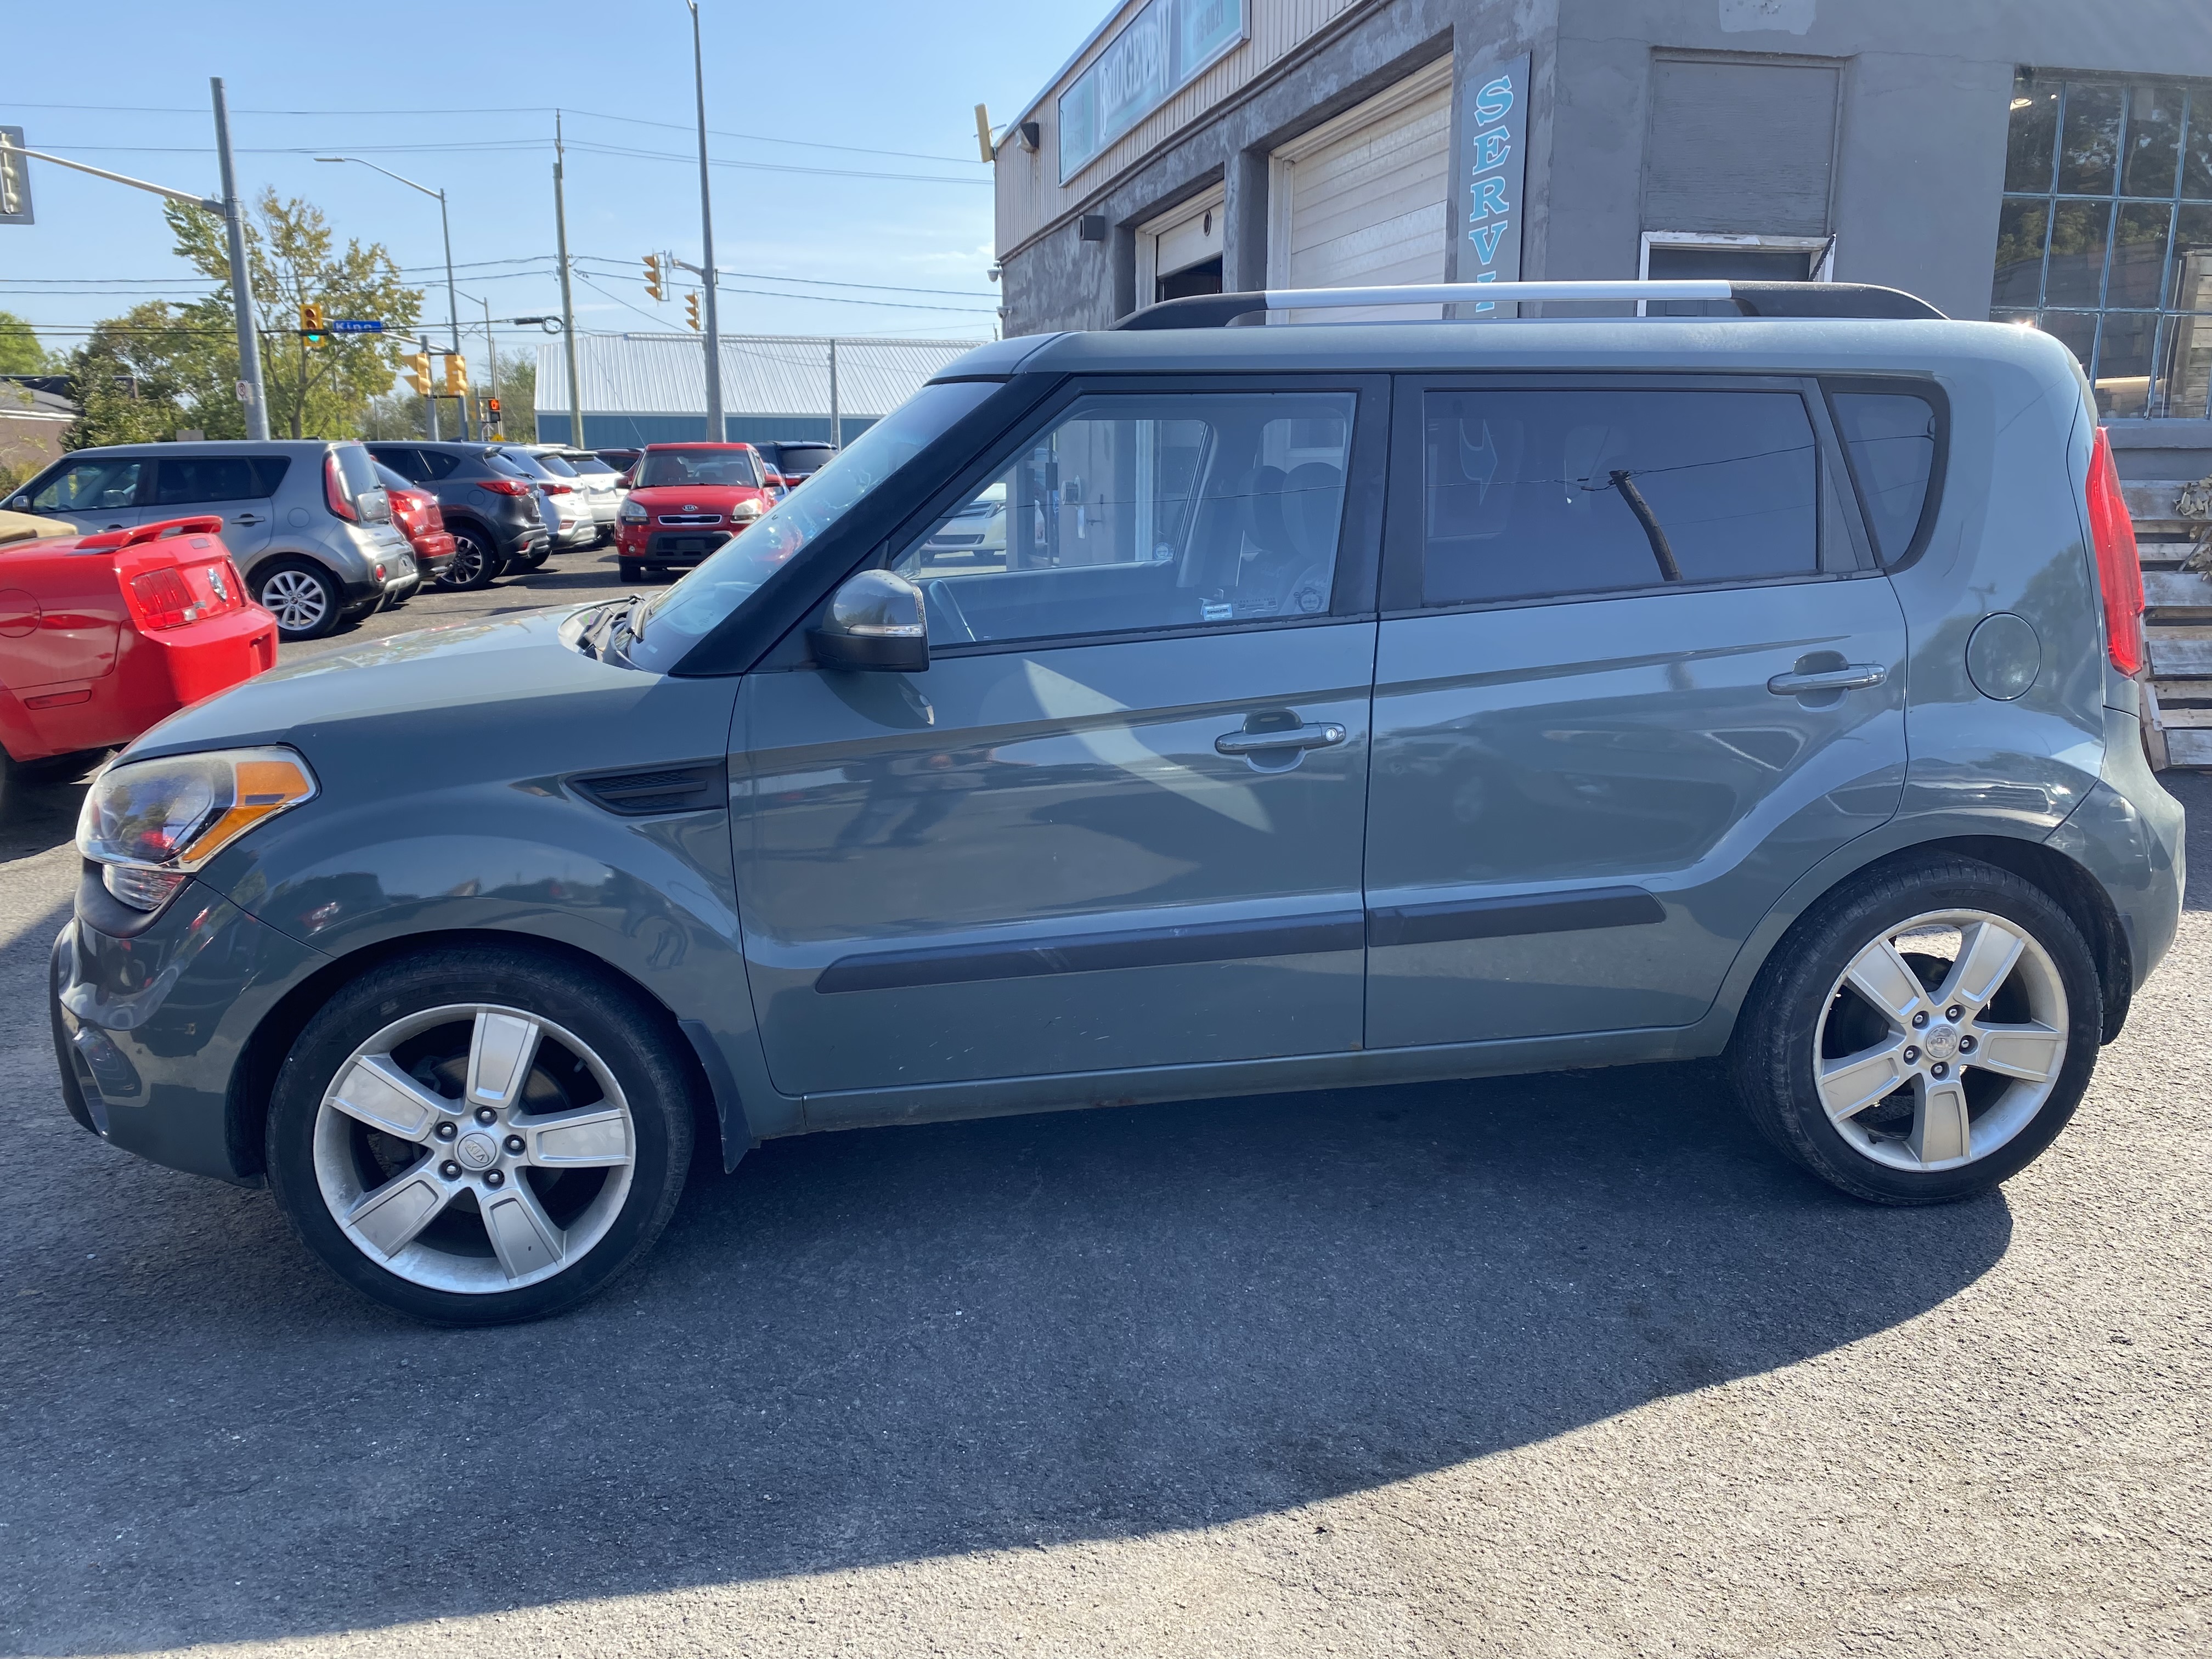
354,325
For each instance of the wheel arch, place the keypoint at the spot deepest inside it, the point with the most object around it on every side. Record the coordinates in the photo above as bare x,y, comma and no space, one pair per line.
2065,881
718,1113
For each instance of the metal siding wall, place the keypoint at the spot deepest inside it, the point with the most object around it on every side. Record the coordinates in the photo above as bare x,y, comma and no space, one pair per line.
628,431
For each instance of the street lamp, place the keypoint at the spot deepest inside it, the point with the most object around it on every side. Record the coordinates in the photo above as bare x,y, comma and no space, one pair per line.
452,300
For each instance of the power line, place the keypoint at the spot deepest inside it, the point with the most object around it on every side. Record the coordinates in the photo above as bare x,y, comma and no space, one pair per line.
527,109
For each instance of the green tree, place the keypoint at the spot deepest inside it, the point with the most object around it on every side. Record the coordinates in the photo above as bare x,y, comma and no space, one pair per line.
293,255
138,376
518,395
20,350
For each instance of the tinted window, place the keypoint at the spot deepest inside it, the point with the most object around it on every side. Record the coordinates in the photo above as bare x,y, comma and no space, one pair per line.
1890,438
186,479
556,465
406,462
436,465
391,480
589,463
1145,512
503,464
677,467
89,486
1532,493
524,463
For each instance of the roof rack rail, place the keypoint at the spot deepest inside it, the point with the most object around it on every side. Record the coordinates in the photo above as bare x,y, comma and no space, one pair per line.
1751,298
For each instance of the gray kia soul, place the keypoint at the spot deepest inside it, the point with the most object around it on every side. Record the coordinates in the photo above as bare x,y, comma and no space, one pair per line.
1335,704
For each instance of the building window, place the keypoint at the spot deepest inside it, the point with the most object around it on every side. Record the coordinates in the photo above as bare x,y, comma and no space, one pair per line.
2106,235
1672,255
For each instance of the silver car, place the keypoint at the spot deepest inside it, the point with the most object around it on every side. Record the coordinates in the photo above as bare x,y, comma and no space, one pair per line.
305,518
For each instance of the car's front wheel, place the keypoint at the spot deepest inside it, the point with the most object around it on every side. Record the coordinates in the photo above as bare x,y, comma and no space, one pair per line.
479,1135
302,596
1923,1034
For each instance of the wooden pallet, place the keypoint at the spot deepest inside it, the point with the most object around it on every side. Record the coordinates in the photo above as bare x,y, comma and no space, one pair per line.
2177,629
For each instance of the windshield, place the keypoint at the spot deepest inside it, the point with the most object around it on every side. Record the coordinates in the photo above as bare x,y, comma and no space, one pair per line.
524,463
503,464
556,465
677,467
680,616
591,464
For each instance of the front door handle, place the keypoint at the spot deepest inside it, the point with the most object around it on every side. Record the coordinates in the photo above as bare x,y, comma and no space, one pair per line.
1260,743
246,518
1852,676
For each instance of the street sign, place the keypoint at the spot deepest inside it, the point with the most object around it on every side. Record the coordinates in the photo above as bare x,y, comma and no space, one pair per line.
355,325
14,180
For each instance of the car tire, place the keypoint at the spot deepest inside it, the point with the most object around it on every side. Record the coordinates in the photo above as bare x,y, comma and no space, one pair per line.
475,563
633,570
301,595
1923,1034
533,560
518,1208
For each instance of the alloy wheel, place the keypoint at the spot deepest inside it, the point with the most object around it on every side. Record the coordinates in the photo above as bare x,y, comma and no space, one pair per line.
474,1148
297,599
1940,1040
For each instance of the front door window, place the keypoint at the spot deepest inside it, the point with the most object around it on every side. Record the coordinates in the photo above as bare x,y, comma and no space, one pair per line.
1133,516
90,486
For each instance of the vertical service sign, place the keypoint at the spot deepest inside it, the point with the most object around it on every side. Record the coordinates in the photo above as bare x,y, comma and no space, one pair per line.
1492,172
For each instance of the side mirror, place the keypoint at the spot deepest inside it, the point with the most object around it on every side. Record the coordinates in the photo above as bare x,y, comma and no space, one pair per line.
875,621
20,504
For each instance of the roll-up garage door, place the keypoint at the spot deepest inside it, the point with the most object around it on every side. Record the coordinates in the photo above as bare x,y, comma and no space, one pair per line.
1360,201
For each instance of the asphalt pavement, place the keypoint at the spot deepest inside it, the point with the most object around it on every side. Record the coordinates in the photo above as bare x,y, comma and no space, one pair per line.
1558,1365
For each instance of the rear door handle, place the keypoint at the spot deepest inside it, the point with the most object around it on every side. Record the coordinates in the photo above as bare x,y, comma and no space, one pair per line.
1297,737
246,518
1852,676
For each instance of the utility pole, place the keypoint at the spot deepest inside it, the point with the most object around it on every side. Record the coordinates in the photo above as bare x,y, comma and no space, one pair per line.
251,393
567,300
491,350
716,430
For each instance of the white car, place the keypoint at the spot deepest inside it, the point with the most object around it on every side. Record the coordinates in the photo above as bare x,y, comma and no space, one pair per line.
567,509
599,484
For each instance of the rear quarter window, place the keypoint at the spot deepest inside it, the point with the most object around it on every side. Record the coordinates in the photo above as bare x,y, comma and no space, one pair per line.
1893,440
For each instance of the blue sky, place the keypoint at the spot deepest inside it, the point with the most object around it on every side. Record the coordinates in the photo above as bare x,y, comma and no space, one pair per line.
463,97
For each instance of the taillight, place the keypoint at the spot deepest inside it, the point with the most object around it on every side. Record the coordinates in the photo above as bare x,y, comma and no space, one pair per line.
334,489
162,600
504,486
434,517
2119,569
558,489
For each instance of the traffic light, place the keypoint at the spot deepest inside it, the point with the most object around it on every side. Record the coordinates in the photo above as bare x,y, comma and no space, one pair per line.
691,306
655,278
457,375
310,322
491,407
418,373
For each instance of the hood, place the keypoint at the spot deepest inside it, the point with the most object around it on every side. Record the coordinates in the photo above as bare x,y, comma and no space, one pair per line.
708,498
416,687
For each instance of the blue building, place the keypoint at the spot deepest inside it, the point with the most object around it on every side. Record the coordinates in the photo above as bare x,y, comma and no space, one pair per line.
652,388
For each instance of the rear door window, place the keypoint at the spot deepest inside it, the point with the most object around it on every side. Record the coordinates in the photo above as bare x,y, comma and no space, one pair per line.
184,481
436,463
1892,439
1529,494
402,458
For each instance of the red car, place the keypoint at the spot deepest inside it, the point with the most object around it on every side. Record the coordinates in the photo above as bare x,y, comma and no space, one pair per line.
422,522
685,501
102,637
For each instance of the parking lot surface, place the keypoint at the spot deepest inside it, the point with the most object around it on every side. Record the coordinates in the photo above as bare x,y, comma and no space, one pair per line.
1561,1365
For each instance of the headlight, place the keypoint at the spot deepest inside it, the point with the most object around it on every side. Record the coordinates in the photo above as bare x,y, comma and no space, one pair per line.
633,512
745,512
150,823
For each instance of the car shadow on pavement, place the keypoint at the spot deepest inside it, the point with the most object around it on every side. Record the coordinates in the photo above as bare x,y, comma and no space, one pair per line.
2194,791
873,1347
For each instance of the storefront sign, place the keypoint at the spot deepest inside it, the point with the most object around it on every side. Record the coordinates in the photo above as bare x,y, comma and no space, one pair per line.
1164,47
1493,171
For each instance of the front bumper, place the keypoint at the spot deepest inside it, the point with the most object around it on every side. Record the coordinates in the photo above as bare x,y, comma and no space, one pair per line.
150,1021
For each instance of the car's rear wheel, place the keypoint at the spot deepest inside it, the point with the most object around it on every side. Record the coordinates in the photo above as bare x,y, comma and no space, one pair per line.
1924,1034
479,1135
301,596
474,563
530,561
